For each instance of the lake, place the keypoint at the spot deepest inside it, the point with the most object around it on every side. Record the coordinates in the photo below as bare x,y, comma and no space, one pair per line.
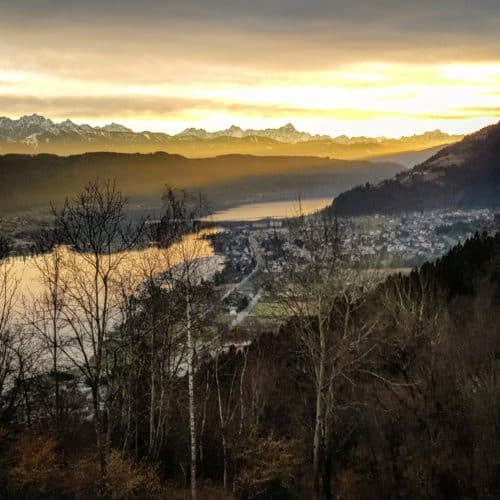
274,209
133,267
27,279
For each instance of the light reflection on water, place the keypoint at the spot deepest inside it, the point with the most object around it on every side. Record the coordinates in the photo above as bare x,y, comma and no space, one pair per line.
130,270
133,266
275,209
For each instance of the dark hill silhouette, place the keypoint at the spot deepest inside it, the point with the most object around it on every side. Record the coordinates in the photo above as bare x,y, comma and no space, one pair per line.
32,181
463,175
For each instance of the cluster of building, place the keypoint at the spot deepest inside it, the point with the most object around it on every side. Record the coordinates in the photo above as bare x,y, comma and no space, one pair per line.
235,245
413,238
404,240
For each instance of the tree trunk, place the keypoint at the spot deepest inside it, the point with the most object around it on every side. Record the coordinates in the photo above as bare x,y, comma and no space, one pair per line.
190,369
202,429
242,402
152,402
223,422
317,446
224,453
318,426
57,398
100,437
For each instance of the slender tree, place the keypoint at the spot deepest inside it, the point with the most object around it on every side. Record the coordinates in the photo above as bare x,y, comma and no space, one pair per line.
227,405
44,310
188,269
93,227
322,294
8,341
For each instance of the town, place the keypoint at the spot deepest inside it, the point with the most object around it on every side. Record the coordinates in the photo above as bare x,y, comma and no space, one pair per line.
254,249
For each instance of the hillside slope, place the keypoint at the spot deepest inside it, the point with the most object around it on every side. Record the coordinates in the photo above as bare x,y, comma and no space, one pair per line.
463,175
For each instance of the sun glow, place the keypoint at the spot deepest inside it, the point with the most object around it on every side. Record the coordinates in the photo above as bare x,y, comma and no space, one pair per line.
370,98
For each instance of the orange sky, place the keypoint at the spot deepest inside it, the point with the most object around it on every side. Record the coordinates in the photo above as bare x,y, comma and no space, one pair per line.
366,67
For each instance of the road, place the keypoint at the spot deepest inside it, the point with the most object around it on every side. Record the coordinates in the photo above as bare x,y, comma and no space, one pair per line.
241,316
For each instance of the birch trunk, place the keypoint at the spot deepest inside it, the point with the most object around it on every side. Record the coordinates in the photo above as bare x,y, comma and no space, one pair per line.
222,422
190,369
318,427
152,401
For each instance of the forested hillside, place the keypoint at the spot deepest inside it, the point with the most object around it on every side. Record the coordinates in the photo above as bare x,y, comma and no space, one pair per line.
463,175
31,182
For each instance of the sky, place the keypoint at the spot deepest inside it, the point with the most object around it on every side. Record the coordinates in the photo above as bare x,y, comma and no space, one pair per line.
355,67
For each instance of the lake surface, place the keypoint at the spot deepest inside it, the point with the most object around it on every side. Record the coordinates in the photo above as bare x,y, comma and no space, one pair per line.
133,267
275,209
28,279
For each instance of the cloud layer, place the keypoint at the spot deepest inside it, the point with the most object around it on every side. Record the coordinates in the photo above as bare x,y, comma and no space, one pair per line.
327,64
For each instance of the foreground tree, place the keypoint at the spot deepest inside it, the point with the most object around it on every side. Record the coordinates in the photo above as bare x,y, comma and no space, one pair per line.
9,343
94,228
323,293
188,272
44,312
147,363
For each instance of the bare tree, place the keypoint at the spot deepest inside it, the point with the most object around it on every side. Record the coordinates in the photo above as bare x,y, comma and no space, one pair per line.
44,312
8,298
322,290
18,354
152,345
227,405
94,227
415,306
188,268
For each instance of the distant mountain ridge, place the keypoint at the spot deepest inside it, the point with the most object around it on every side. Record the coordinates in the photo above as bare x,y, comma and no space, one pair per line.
37,134
288,133
463,175
33,181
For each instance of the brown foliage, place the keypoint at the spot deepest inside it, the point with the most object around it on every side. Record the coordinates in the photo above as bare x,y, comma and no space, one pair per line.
37,465
124,479
269,460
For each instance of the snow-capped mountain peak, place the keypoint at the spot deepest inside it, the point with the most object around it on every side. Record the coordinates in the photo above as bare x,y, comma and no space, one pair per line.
115,127
37,133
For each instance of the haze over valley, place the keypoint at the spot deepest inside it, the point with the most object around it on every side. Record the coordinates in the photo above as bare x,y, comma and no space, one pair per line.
32,182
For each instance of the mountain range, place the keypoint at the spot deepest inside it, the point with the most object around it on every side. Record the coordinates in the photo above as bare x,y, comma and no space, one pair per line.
288,133
37,134
462,175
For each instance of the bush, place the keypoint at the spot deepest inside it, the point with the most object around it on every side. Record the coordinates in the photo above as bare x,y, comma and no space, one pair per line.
269,469
124,479
37,469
